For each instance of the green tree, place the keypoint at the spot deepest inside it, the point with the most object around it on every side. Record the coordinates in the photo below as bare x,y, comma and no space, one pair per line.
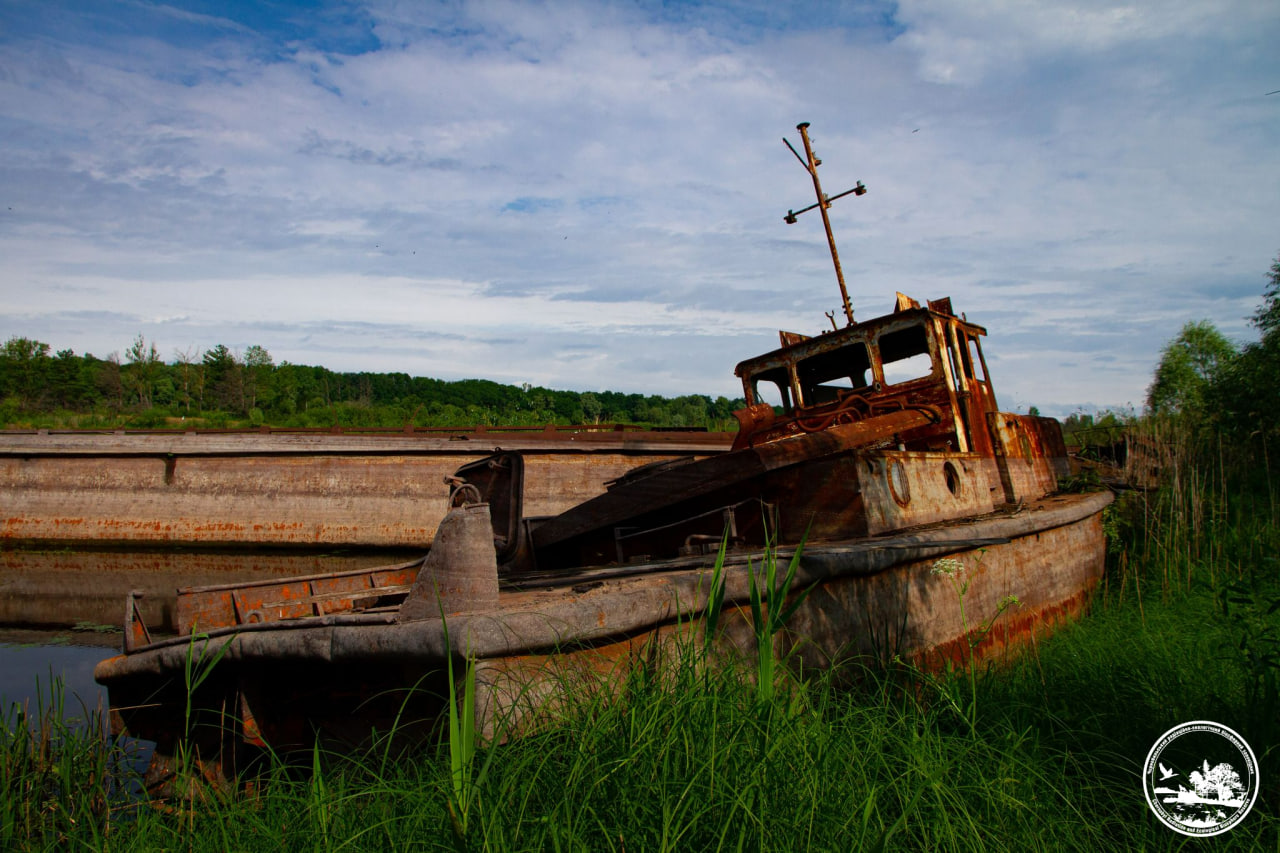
257,376
1189,365
224,379
1247,394
1267,317
71,381
109,382
24,366
144,370
190,376
591,407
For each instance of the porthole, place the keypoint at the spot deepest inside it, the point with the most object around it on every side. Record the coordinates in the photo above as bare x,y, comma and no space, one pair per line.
899,487
955,485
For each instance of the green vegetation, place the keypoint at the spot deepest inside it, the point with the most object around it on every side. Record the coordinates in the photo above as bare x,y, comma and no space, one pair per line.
1219,389
1190,365
222,388
61,778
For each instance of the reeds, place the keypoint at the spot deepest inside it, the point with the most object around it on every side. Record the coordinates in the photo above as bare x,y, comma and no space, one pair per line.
1207,517
62,778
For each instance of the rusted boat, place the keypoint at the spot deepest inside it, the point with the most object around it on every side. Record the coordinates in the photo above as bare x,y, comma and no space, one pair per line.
872,450
886,452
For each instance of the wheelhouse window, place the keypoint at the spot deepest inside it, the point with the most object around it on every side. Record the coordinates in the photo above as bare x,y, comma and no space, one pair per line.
824,376
773,387
976,358
904,355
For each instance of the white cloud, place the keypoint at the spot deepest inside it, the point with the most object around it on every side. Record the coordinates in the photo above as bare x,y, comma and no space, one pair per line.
506,179
963,41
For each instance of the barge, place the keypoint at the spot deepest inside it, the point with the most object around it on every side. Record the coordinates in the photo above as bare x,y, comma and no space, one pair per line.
289,489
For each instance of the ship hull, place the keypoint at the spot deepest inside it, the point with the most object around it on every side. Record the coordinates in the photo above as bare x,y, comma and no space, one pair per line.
344,677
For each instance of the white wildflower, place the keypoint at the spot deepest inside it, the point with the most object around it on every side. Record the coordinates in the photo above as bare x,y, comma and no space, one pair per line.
947,566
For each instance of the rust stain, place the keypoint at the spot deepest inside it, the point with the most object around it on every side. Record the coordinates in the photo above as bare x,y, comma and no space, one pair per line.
1014,630
273,600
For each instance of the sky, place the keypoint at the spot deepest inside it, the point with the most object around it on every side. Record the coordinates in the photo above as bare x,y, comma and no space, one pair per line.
590,195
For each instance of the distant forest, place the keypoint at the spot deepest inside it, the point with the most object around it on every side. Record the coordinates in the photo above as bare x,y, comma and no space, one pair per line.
224,388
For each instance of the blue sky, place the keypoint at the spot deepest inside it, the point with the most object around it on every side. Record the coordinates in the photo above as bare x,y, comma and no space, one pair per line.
590,195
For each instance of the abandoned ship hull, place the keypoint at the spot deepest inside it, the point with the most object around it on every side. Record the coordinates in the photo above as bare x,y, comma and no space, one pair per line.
345,676
373,489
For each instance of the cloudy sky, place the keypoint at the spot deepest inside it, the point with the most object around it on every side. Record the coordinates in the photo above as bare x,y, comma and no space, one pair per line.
590,195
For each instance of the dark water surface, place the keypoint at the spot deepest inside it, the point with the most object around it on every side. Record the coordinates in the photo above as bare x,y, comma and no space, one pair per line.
30,660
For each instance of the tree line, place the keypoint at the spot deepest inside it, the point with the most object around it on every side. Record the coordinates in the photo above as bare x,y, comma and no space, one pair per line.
222,387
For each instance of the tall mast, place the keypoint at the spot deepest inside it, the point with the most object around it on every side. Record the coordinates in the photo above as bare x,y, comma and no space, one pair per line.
811,164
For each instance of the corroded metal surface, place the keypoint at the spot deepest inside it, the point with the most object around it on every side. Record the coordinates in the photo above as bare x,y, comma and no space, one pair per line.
910,359
1030,454
879,447
908,612
626,603
913,613
287,489
227,605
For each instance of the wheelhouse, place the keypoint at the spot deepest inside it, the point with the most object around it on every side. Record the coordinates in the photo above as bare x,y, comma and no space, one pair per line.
915,357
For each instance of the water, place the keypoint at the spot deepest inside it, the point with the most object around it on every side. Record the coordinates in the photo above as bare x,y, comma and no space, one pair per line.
30,660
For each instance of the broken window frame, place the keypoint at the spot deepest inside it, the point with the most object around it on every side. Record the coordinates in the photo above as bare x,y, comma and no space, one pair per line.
781,378
821,370
912,352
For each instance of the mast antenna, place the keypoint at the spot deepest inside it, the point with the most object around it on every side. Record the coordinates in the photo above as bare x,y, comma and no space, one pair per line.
811,164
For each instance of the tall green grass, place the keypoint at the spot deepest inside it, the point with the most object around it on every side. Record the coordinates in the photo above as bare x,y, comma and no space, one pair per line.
63,781
686,761
687,756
